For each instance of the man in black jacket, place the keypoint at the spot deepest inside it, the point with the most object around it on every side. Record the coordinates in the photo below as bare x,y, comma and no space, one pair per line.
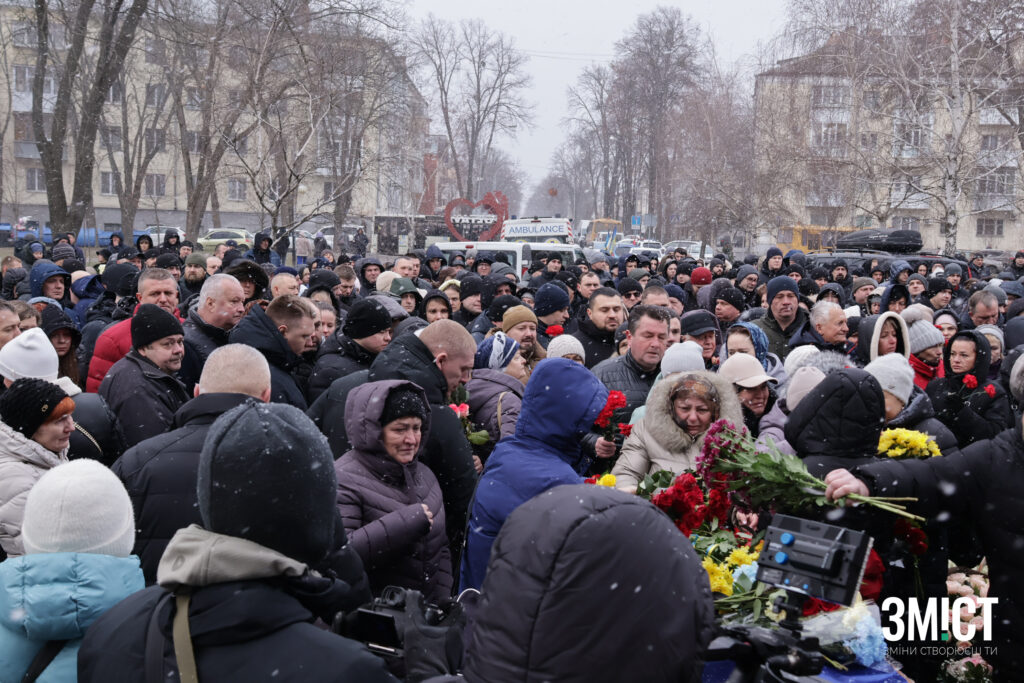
160,472
245,584
605,312
365,333
221,305
633,373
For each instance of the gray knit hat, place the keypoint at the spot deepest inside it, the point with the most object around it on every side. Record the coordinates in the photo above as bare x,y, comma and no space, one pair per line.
895,375
924,335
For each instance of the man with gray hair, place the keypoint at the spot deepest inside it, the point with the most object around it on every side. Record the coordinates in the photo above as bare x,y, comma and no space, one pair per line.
220,306
825,329
160,472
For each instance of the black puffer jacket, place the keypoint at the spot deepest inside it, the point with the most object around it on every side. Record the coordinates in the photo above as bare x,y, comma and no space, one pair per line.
201,339
984,482
574,560
919,415
624,374
257,330
597,344
160,475
143,397
97,433
338,356
447,452
971,414
104,311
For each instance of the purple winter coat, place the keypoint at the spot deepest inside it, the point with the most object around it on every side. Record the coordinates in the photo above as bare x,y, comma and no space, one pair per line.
380,502
484,389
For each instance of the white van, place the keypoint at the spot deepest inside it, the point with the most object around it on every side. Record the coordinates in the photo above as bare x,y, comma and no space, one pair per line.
519,254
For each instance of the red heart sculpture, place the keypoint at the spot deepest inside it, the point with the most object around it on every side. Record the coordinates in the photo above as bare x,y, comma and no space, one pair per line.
495,202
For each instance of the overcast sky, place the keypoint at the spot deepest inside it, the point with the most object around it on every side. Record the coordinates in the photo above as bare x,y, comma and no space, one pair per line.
563,36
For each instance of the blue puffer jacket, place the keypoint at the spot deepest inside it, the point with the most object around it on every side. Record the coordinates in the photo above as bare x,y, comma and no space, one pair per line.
561,402
41,272
88,290
897,267
57,596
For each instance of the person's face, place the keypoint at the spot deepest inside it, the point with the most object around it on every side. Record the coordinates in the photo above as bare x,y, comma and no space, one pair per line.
997,350
657,300
26,324
166,353
962,356
834,329
903,276
321,295
54,436
298,333
54,287
676,306
375,343
588,285
717,270
748,283
185,251
682,278
821,282
838,273
328,324
456,369
163,293
861,294
931,356
553,265
644,280
313,342
784,305
953,280
985,315
436,310
631,299
404,268
472,304
893,406
670,271
922,268
707,343
219,251
506,288
434,264
175,271
453,298
409,303
693,412
740,343
942,299
525,334
370,273
674,331
755,399
775,262
212,265
887,340
916,287
401,438
225,310
517,368
10,326
795,276
584,268
145,244
606,313
194,273
947,330
726,312
648,344
285,285
483,269
829,296
249,288
897,305
345,288
61,340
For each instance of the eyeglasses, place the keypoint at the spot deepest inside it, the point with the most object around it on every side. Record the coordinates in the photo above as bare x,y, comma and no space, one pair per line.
631,295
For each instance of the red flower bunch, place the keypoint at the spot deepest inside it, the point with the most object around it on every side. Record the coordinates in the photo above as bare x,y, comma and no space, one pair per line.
616,400
990,390
554,330
625,430
686,503
970,381
915,537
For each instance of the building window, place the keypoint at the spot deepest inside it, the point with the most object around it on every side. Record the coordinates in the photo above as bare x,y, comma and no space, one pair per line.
869,141
193,98
830,96
116,92
193,141
990,227
873,100
23,76
906,223
236,189
829,135
156,51
111,137
997,183
23,34
990,143
329,191
156,95
155,184
108,183
35,180
910,138
786,235
155,140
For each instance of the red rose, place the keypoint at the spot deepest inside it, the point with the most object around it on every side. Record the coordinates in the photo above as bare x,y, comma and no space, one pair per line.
970,381
813,605
554,330
625,429
871,583
918,541
592,480
990,390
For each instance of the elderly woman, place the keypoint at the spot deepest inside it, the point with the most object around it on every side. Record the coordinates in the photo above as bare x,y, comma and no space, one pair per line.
669,437
496,390
391,504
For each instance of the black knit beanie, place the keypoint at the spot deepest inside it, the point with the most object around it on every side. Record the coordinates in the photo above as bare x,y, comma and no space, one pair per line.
151,323
366,318
403,402
28,403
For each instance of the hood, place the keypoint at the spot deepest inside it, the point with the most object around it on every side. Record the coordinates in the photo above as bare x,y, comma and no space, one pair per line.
491,283
897,267
171,235
842,417
434,251
363,409
567,576
139,239
981,363
1013,333
917,410
258,239
19,447
41,272
434,294
894,291
870,330
561,402
368,261
57,596
407,358
835,288
659,419
119,237
257,330
90,287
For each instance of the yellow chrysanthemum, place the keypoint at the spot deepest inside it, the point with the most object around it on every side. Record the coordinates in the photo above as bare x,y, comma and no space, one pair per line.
718,575
740,557
607,480
899,443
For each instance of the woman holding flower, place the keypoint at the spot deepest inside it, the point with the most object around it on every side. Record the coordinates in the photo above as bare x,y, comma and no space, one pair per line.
965,400
680,409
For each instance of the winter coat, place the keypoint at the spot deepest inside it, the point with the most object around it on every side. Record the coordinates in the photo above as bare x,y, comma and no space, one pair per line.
338,356
772,427
778,338
870,331
22,463
88,290
981,484
657,442
251,613
487,390
97,318
261,256
561,402
57,596
303,247
201,339
537,619
97,434
808,336
838,424
622,373
919,416
597,344
41,272
971,414
160,476
447,452
257,330
111,346
381,503
142,396
366,288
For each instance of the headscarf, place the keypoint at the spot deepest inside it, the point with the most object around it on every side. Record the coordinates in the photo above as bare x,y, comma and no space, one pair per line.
759,339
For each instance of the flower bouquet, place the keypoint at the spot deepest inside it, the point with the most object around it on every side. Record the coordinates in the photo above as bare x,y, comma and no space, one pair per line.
554,330
601,480
477,437
907,443
616,400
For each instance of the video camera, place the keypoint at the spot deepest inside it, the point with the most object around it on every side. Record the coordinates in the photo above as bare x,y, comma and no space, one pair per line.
381,625
806,559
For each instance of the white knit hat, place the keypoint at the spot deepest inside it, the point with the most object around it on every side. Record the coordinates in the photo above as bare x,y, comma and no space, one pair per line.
685,356
799,357
30,354
895,375
79,507
564,345
801,383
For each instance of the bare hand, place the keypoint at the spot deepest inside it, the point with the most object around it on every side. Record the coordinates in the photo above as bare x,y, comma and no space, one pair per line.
428,513
842,483
478,465
604,448
747,519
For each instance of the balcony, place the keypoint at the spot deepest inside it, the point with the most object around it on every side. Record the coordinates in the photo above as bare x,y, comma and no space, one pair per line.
993,202
29,150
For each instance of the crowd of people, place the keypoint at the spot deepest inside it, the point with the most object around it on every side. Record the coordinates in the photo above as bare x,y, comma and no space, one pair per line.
205,458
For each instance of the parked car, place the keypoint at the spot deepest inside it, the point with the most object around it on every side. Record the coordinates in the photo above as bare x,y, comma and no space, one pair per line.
214,238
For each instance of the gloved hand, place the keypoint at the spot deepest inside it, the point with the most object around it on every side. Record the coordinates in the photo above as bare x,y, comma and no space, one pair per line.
431,649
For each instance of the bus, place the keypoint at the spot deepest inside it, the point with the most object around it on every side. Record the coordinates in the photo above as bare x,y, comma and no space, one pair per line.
600,229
